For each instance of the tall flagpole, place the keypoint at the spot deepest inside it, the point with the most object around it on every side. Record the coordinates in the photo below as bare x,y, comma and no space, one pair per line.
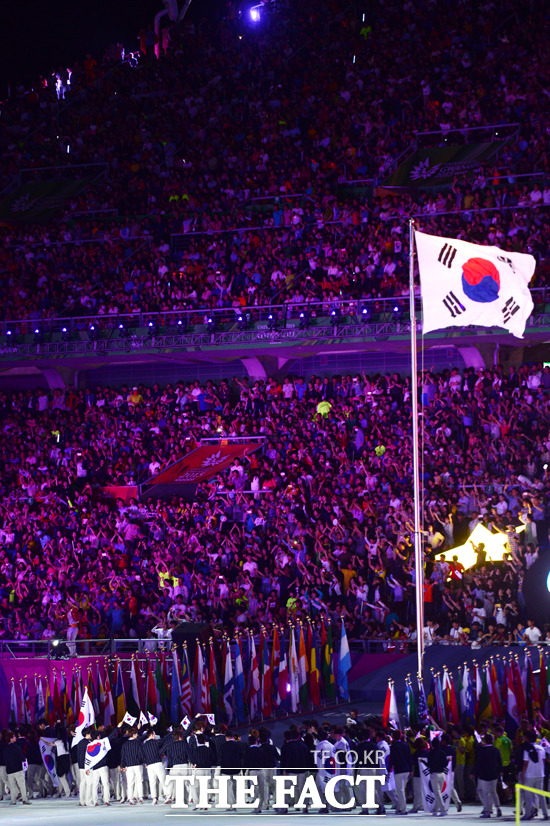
418,556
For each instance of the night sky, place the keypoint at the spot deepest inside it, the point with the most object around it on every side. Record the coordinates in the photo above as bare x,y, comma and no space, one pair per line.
40,35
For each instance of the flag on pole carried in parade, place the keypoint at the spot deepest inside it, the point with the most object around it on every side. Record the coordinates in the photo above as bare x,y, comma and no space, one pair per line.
511,714
390,715
39,707
14,711
464,283
186,694
120,700
228,687
86,718
267,685
344,664
410,705
294,678
109,708
133,701
283,686
302,669
175,689
422,704
254,679
314,676
326,662
240,704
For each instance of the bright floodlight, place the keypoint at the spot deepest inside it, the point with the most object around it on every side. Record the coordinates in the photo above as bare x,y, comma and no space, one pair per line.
495,546
255,14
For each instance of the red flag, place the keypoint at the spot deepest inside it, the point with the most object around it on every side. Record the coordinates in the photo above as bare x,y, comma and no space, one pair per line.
390,706
205,685
535,700
267,684
185,684
495,690
451,705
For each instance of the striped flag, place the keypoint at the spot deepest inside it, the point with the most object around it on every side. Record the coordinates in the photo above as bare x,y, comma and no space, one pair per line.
27,704
240,704
39,705
344,664
175,689
451,705
390,715
314,676
185,684
214,687
294,677
254,679
228,687
120,699
326,662
283,683
205,683
267,685
303,692
198,666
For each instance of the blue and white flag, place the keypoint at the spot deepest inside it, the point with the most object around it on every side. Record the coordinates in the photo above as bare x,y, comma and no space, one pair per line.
344,665
96,751
463,284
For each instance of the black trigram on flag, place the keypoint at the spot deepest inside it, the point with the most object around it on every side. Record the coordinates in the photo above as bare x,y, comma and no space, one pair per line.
453,305
446,255
510,308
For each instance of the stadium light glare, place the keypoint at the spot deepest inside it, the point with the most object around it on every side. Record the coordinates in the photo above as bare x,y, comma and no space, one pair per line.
494,546
255,14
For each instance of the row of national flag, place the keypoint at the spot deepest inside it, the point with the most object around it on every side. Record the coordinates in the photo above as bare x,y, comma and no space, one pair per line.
294,669
498,689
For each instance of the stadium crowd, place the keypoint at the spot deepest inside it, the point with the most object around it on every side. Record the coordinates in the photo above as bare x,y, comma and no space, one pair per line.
316,523
230,114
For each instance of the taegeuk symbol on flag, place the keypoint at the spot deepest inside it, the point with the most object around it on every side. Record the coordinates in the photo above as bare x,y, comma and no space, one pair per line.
463,283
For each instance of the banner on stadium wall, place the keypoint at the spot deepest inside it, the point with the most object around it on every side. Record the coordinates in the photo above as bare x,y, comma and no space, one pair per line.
203,463
428,798
38,202
438,165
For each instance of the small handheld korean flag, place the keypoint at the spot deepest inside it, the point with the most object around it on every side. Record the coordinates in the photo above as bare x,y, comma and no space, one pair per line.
186,722
143,721
128,719
465,283
211,719
152,719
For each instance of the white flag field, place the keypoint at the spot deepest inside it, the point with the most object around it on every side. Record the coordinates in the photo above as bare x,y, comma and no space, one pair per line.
86,718
96,751
463,283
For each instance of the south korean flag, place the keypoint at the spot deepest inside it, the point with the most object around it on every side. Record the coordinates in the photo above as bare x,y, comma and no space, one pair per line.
463,284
